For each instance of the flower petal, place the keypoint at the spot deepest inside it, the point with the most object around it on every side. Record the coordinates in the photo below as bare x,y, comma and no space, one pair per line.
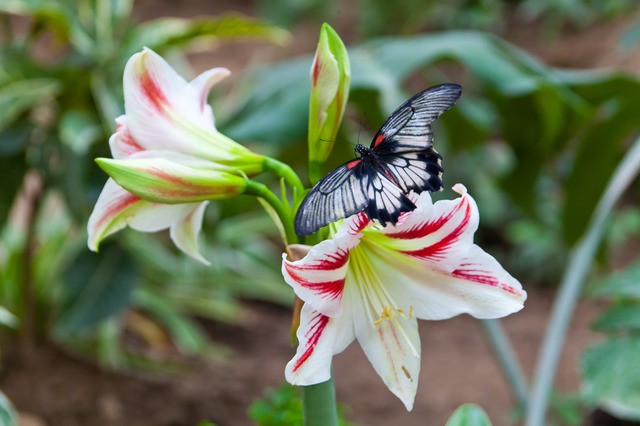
163,110
318,278
439,234
113,210
319,338
184,233
391,344
122,143
203,83
478,286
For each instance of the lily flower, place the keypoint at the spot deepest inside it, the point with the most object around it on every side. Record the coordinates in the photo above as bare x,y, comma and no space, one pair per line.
168,155
372,283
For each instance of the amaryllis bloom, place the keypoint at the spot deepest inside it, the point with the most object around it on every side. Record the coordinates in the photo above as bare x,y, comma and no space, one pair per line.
372,283
168,152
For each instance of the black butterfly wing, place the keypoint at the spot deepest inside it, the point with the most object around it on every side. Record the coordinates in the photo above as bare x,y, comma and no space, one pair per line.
409,127
350,189
415,171
339,194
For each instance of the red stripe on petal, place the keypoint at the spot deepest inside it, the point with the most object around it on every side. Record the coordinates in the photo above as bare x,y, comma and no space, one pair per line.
115,208
426,228
358,224
316,328
330,261
152,91
315,71
483,277
128,145
329,289
436,250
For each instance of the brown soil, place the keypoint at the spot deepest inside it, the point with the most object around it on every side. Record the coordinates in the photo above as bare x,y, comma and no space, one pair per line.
457,367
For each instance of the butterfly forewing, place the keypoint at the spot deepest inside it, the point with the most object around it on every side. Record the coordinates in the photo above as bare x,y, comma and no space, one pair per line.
339,194
409,127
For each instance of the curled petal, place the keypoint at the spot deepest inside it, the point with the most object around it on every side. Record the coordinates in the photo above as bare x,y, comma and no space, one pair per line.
165,112
202,84
439,234
318,278
184,232
113,210
319,338
122,143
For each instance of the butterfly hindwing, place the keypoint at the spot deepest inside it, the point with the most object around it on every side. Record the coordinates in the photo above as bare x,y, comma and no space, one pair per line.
409,127
386,199
416,171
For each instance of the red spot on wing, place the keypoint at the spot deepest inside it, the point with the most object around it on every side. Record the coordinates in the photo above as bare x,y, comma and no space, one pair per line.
378,140
352,164
317,326
152,91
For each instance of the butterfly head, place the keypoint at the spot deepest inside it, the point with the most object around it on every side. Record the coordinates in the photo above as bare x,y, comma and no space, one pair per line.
362,150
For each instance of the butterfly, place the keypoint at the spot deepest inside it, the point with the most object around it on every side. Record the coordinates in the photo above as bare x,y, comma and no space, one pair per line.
400,159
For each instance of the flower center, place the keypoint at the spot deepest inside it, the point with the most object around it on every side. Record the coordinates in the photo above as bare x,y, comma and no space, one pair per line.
382,308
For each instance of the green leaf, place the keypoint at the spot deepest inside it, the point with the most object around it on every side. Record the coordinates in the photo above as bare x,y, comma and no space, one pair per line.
624,283
22,95
611,373
165,33
619,318
13,169
7,412
97,286
593,165
79,130
469,415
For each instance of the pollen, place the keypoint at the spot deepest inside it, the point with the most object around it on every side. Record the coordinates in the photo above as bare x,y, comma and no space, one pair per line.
390,313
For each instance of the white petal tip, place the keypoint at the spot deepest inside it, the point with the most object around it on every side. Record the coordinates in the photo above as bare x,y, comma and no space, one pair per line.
460,188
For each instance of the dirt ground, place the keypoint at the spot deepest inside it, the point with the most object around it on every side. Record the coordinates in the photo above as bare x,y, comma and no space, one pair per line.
457,367
56,389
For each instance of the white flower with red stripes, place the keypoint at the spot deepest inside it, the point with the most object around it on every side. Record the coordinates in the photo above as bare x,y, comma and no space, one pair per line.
168,133
372,283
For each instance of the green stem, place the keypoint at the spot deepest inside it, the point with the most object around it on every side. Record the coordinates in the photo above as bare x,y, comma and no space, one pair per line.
579,264
319,404
262,191
508,360
316,171
285,171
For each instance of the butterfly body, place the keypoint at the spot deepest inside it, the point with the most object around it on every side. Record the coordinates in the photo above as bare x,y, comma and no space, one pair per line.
401,159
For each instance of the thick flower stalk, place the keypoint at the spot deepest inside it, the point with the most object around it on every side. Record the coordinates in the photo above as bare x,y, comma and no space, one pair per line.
372,283
168,157
330,79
